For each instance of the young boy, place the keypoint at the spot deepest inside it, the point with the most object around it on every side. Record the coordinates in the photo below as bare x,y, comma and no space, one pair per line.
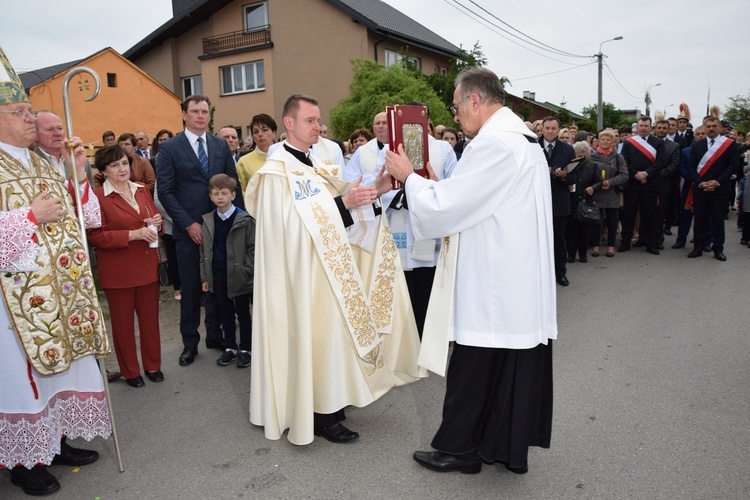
227,258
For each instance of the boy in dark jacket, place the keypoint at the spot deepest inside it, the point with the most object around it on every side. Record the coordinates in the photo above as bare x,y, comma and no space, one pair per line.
227,258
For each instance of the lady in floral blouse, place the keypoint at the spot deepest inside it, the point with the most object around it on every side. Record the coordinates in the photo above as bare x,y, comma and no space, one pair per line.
128,266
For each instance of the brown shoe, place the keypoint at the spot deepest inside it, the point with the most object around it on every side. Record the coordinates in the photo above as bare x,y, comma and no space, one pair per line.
111,376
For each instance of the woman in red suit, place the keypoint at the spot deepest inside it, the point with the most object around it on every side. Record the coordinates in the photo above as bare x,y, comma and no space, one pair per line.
128,267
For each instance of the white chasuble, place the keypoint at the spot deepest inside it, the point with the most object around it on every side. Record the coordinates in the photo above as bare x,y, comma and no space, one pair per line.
322,308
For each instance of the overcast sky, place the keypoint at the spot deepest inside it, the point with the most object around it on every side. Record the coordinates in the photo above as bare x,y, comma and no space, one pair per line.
685,46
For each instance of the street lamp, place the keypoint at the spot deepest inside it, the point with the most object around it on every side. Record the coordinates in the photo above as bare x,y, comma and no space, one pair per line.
599,112
648,98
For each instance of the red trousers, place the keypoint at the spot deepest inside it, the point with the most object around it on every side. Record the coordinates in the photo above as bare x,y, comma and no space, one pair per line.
124,304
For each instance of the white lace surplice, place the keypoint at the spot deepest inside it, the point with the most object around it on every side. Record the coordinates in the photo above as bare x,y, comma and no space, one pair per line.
71,404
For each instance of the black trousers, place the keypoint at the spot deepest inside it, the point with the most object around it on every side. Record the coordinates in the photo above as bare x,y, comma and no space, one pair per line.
419,281
172,266
709,206
326,419
188,262
229,309
645,201
498,402
578,237
559,223
609,215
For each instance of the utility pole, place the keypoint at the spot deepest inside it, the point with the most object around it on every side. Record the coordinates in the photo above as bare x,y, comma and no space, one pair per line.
599,107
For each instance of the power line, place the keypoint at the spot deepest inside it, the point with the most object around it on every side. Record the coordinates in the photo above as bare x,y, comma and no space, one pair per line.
559,52
500,34
620,85
551,72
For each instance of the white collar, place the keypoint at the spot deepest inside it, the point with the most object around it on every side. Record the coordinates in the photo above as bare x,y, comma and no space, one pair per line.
192,137
227,214
109,189
21,154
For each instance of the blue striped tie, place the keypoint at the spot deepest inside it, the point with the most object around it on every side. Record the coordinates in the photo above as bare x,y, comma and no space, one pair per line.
202,157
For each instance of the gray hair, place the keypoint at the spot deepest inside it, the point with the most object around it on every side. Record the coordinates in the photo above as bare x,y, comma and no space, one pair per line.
582,147
482,82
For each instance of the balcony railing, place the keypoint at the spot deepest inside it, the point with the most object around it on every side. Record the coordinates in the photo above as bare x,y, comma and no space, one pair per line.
237,40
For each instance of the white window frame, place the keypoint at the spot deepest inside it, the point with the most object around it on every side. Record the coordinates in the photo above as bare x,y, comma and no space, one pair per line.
192,79
242,70
392,57
264,6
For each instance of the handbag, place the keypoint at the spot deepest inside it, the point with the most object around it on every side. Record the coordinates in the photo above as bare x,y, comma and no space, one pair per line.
588,211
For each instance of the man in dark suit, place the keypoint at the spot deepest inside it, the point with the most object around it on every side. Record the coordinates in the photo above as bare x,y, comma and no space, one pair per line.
558,154
645,157
686,199
711,164
682,130
670,181
185,163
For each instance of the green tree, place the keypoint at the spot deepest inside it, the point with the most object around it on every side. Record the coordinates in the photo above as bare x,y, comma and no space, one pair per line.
444,84
374,87
738,112
613,117
526,111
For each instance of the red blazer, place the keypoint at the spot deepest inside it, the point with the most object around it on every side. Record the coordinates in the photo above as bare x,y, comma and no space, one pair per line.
122,263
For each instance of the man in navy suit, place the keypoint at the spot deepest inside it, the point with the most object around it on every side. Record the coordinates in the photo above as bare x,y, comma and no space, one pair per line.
711,164
184,164
645,157
558,154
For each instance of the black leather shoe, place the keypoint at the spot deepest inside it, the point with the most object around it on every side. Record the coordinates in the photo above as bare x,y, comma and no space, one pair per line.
75,457
135,382
188,356
518,470
468,463
668,232
563,281
584,260
215,344
720,256
336,433
695,253
623,248
659,246
36,481
157,376
571,260
652,251
708,248
678,245
638,244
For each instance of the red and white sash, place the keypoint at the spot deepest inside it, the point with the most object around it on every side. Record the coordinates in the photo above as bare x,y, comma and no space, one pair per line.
713,153
644,147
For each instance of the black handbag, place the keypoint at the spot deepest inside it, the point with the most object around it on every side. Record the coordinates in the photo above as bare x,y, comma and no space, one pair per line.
588,211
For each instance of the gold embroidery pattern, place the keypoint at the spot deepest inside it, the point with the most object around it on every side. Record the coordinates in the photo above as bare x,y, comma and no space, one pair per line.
382,297
340,260
55,310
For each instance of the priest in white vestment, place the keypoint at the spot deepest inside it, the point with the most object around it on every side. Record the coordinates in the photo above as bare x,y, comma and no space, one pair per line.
332,323
51,326
494,287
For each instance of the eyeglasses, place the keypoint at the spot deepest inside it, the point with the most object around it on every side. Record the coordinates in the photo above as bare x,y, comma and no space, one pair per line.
21,113
454,107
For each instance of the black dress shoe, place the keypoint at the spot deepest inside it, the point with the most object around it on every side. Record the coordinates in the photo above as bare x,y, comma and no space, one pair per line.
695,253
336,433
652,251
563,281
623,248
468,463
135,382
156,376
584,260
638,244
668,232
74,457
707,248
523,469
659,246
215,344
36,481
571,260
188,355
720,256
678,245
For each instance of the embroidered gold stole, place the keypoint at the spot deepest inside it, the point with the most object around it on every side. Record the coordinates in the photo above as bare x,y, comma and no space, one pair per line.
54,310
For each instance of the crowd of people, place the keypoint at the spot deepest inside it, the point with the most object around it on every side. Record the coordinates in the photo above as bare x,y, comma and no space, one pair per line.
329,272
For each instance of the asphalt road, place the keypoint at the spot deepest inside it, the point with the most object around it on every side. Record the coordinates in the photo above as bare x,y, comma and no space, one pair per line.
652,400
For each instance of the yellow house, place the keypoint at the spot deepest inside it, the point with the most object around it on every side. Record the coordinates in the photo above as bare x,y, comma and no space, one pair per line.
249,56
129,99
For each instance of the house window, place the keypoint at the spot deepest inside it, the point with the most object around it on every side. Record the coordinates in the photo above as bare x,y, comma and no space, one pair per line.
112,80
192,85
392,58
256,15
247,77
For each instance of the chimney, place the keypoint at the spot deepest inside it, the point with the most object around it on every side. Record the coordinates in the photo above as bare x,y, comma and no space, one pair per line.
529,95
